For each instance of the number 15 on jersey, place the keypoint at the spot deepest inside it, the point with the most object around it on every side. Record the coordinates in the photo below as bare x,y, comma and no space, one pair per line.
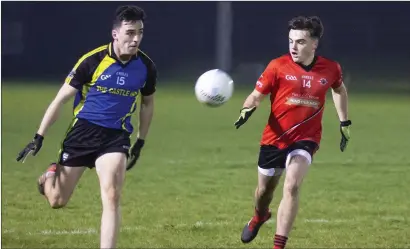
120,80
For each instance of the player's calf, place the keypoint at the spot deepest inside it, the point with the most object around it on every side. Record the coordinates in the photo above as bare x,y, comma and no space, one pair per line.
50,173
267,183
297,166
111,172
268,179
58,182
44,182
263,198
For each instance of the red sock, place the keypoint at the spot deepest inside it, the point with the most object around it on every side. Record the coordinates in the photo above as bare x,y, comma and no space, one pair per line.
51,170
279,242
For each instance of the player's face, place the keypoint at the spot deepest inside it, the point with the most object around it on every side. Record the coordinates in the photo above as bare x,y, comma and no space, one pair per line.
302,46
128,37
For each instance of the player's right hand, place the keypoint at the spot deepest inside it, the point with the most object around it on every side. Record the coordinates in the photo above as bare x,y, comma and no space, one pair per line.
246,112
32,148
345,131
135,152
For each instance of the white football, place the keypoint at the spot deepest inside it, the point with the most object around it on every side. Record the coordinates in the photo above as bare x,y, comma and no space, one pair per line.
214,88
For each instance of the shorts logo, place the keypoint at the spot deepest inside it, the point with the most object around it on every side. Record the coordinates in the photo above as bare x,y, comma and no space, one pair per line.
291,77
65,156
126,147
259,84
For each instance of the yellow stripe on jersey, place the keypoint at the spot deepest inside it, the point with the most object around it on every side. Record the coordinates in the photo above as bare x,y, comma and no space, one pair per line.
80,105
73,122
104,64
132,110
109,49
70,76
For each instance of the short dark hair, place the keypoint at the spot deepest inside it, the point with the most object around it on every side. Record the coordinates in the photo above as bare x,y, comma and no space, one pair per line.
128,13
313,24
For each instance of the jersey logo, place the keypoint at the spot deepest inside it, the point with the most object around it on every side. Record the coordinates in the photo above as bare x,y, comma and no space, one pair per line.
301,101
323,81
105,76
72,73
120,78
291,77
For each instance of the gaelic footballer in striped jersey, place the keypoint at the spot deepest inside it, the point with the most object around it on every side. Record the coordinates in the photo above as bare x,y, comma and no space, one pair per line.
106,84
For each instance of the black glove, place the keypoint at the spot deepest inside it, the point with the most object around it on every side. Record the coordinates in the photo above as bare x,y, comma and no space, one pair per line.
135,153
33,147
246,112
345,131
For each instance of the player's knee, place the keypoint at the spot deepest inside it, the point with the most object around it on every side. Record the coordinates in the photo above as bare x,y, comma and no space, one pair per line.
264,191
291,187
111,197
57,201
261,191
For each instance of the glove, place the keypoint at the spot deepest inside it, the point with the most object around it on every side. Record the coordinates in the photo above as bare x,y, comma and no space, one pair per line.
33,147
135,153
345,131
246,112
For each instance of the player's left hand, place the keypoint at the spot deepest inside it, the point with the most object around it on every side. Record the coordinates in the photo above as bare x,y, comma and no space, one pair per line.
246,112
345,131
135,153
32,148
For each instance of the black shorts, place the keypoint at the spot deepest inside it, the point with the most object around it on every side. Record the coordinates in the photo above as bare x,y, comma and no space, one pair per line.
85,142
272,157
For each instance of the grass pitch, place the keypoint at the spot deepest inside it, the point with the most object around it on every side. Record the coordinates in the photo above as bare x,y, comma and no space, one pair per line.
194,184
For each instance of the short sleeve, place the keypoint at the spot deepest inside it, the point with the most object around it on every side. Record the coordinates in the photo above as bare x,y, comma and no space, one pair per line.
339,77
79,75
151,81
265,82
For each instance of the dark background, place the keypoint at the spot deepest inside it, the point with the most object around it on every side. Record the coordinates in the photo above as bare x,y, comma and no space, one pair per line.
43,40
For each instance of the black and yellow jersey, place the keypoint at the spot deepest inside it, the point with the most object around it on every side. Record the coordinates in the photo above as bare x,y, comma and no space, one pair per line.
108,89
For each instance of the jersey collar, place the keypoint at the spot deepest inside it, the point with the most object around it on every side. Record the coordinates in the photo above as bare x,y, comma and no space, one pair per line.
114,56
310,66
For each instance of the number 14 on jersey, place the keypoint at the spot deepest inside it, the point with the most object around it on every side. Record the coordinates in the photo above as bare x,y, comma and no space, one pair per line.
306,83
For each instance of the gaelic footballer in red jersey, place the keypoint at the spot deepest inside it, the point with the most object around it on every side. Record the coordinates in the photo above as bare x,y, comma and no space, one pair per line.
297,84
297,99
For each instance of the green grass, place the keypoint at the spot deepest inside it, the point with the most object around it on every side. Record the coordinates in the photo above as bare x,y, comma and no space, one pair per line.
194,183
